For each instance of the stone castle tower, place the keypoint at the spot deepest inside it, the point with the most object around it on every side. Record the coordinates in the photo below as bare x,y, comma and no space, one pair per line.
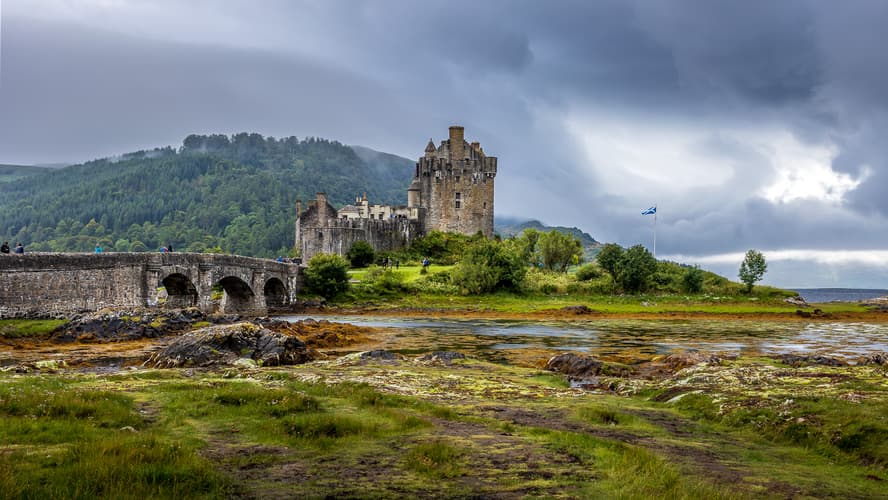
452,188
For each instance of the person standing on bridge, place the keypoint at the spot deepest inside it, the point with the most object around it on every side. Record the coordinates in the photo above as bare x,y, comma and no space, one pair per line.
98,248
19,248
5,247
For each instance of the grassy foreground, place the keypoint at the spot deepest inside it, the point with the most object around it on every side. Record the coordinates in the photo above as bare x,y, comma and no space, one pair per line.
358,428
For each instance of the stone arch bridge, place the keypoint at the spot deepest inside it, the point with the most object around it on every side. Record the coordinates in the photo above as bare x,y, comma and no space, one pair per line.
49,284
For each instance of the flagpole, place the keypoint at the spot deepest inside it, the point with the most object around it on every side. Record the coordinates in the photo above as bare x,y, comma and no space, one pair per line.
655,235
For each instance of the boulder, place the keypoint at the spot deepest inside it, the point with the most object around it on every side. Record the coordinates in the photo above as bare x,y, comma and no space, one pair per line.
876,358
685,359
797,360
232,345
582,367
580,309
113,326
796,301
440,357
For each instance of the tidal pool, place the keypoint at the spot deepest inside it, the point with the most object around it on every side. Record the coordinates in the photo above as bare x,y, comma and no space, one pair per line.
623,339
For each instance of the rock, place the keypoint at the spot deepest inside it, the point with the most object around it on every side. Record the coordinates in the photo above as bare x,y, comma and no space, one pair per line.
803,314
440,357
229,345
50,364
580,309
685,359
797,360
876,358
379,354
796,301
581,367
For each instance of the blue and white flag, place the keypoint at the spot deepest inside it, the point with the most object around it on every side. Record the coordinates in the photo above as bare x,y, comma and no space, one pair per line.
650,211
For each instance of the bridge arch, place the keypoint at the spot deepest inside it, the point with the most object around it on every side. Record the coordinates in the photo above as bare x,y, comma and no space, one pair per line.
180,290
275,292
238,297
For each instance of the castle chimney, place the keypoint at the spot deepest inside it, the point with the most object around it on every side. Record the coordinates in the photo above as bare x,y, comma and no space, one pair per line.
457,143
322,207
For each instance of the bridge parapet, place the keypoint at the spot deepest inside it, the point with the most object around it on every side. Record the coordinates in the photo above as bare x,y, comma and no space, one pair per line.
52,284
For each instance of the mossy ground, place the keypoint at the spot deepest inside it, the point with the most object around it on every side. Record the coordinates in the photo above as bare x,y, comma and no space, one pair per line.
350,427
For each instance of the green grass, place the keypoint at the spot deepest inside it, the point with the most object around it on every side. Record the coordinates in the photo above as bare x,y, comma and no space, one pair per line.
410,430
626,304
437,459
60,440
23,328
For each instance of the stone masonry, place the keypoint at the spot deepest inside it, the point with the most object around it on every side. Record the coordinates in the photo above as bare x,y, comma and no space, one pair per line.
452,190
55,284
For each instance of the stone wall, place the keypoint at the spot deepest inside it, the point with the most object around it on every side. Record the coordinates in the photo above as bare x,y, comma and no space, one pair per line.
320,231
55,284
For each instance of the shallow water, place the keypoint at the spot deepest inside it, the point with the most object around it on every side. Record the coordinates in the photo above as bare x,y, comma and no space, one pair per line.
618,339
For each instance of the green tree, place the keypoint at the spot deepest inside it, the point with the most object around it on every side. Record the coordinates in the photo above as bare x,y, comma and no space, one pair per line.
635,269
559,250
527,245
361,254
488,266
609,258
327,275
752,269
693,280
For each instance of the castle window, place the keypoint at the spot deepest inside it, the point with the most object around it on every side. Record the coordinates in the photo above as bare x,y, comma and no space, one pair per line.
458,200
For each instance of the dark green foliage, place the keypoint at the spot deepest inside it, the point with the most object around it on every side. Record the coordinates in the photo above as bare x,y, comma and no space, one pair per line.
361,254
488,266
327,275
693,280
559,250
234,194
439,247
588,272
609,258
635,269
752,269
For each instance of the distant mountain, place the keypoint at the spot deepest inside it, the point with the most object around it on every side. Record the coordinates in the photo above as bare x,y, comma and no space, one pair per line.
10,173
510,226
225,193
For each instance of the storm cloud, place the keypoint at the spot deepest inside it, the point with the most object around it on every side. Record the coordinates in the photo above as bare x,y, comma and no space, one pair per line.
750,125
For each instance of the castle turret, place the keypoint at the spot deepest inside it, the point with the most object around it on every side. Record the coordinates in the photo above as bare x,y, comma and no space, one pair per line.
430,149
413,193
457,143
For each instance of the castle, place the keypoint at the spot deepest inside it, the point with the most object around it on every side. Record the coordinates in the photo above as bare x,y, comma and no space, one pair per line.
452,190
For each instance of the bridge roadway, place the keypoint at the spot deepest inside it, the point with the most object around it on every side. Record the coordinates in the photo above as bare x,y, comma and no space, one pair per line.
52,284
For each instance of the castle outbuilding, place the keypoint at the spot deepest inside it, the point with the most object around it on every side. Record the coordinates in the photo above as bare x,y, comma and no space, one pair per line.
452,190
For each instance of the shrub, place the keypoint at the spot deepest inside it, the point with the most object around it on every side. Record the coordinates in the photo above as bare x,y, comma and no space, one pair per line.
588,272
361,254
488,266
693,280
327,275
636,267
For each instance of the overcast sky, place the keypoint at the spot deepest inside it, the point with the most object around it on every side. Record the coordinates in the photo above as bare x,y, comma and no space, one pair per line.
749,124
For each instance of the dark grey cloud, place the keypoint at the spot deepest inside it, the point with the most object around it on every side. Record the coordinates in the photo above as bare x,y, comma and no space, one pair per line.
596,109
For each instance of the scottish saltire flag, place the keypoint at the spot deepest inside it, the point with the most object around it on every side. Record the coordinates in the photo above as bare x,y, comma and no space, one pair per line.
650,211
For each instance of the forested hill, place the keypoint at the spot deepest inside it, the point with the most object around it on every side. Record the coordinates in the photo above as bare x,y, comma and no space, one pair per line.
234,194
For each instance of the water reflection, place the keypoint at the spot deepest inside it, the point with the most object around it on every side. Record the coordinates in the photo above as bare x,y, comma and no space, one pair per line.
619,338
